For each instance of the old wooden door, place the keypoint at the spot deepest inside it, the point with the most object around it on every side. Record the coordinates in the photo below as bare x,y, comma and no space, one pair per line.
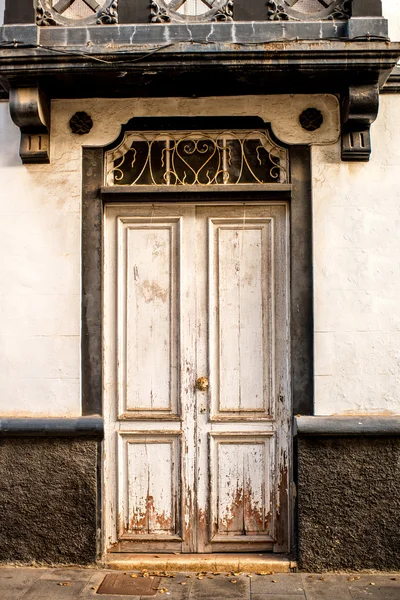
197,395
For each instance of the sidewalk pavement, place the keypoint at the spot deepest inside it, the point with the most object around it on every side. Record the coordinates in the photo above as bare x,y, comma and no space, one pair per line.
20,583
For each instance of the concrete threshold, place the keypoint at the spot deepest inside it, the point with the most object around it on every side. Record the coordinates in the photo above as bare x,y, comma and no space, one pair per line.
210,563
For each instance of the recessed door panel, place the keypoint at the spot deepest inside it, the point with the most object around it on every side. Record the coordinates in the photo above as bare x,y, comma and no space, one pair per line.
150,486
241,299
241,491
149,313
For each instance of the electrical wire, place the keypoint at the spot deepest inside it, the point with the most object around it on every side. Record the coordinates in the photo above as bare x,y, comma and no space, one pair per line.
90,56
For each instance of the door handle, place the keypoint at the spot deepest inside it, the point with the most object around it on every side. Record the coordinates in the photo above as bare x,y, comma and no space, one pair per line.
202,384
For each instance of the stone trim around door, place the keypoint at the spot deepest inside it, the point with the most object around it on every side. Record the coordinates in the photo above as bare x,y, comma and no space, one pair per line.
301,281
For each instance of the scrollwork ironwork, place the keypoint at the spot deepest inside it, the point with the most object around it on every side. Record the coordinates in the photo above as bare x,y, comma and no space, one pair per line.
201,158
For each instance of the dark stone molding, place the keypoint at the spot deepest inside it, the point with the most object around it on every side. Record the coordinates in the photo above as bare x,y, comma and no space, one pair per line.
301,281
392,86
311,426
30,111
360,107
366,8
19,11
348,503
236,32
81,427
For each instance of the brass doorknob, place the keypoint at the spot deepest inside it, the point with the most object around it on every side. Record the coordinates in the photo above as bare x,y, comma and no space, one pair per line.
202,384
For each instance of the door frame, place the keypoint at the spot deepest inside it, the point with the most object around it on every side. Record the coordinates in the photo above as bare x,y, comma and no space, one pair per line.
301,285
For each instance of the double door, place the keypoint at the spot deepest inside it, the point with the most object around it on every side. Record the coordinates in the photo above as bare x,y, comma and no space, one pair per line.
196,384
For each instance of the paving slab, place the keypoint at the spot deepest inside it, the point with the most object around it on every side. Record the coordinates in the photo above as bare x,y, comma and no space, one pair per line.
220,588
279,597
14,581
374,587
50,589
326,587
68,574
276,584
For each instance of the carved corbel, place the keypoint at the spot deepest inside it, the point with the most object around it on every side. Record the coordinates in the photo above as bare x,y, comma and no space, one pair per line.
30,111
359,110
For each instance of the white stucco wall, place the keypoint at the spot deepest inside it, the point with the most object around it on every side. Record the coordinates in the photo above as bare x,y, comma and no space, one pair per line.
391,11
357,273
40,238
39,283
356,250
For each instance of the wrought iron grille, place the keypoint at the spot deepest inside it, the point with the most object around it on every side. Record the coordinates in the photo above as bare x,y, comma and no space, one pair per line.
203,158
302,10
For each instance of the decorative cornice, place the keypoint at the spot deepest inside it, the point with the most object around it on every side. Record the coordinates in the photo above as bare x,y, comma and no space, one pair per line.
109,16
225,13
161,12
44,17
47,15
281,11
276,12
158,13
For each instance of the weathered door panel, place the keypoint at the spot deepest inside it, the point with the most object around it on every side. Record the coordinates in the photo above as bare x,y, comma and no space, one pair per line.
196,291
242,343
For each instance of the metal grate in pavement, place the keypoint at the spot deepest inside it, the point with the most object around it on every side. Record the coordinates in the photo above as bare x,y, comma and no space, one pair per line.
125,585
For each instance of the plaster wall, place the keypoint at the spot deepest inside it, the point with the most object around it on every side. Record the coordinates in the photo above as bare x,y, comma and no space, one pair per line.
39,283
391,11
40,212
356,245
357,274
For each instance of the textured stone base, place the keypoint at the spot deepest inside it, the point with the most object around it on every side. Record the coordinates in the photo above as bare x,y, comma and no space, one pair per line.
48,496
349,503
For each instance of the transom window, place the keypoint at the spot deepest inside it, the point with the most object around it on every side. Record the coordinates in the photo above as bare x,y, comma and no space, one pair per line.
205,158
